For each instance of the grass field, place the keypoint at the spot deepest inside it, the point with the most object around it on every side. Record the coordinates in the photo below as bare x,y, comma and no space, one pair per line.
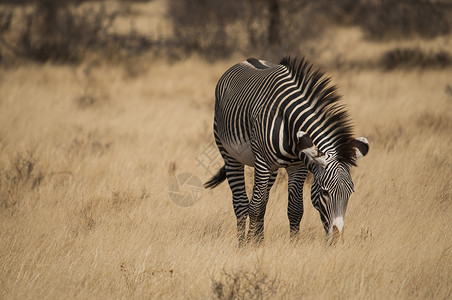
87,154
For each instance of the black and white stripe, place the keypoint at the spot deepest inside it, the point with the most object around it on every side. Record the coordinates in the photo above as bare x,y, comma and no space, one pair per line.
285,115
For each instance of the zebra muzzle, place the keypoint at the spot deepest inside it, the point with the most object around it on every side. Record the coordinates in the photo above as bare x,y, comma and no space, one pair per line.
335,232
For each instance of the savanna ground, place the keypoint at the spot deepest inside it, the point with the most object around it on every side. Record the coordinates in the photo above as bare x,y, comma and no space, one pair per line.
87,153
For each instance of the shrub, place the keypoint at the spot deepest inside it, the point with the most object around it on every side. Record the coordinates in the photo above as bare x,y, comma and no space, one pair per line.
414,57
391,19
19,176
265,28
202,26
63,30
244,285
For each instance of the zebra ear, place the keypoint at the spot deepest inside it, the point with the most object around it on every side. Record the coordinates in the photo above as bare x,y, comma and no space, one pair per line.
305,145
361,146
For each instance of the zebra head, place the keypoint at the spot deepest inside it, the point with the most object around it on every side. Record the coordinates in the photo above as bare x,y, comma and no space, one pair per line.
332,185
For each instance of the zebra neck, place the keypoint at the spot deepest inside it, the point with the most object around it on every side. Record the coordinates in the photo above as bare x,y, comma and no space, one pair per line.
305,118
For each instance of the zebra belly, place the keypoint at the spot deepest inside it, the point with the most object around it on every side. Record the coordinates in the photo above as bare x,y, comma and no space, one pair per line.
241,152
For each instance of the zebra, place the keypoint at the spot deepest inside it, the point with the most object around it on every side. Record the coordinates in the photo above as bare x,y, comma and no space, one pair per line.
287,115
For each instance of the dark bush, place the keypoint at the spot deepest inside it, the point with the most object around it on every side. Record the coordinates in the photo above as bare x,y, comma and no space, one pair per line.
268,28
64,30
389,19
18,176
244,285
415,57
57,31
202,25
275,27
399,19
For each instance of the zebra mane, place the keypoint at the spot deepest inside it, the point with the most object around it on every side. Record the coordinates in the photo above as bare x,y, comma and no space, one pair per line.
326,102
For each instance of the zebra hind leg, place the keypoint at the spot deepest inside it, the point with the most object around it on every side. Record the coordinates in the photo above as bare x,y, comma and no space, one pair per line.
236,179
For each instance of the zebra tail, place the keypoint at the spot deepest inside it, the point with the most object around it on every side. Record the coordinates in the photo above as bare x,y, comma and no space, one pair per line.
216,179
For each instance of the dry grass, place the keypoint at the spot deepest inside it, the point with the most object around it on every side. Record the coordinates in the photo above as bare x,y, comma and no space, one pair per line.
85,211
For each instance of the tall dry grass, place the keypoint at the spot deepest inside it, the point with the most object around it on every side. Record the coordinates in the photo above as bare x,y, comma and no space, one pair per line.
87,154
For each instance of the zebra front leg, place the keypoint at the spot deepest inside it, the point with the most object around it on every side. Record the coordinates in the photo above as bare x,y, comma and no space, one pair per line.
258,203
240,202
297,175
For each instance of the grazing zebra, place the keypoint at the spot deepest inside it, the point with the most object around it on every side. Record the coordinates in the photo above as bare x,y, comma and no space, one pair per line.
285,115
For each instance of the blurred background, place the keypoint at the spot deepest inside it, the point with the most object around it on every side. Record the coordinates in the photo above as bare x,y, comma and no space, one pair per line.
71,31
